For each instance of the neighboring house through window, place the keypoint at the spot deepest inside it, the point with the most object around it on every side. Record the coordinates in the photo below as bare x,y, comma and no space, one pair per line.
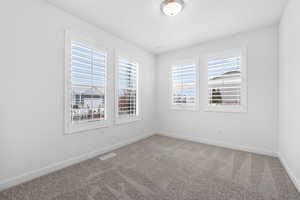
127,90
226,81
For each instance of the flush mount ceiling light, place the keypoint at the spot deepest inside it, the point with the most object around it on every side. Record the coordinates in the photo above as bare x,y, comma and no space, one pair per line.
172,7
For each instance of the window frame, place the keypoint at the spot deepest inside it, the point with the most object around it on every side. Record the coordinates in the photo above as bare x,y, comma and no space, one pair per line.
70,128
183,107
243,107
138,116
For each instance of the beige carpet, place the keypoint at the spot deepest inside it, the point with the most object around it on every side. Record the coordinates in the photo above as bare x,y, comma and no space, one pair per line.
162,168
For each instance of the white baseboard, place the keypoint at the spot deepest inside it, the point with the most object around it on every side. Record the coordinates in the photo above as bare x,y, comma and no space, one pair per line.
289,171
218,143
60,165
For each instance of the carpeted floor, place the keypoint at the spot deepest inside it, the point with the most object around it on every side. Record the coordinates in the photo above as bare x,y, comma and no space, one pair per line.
162,168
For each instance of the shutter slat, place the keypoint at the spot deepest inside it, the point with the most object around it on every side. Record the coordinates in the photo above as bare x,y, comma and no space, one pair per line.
184,84
224,80
88,71
127,94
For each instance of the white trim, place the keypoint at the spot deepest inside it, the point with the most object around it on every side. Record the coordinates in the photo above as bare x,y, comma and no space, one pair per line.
243,107
226,109
219,143
289,171
138,116
63,164
185,107
73,128
119,121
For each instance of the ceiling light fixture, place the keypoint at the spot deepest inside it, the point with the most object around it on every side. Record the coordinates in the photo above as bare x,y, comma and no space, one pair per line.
172,7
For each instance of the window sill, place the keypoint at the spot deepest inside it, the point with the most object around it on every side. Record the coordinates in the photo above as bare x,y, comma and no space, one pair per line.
120,121
79,128
226,109
185,108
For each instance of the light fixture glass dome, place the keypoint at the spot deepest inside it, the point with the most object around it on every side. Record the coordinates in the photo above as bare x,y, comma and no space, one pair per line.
172,7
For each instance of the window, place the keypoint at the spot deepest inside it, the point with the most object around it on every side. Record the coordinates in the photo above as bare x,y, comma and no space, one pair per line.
184,86
226,81
127,90
86,67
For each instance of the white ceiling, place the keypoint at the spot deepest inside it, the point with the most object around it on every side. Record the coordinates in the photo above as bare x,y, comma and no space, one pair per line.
141,21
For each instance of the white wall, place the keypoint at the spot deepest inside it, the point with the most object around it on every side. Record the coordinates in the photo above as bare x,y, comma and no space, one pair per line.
32,90
253,131
289,93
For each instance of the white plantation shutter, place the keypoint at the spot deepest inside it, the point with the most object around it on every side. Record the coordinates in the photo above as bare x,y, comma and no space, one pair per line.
184,85
225,81
127,88
88,82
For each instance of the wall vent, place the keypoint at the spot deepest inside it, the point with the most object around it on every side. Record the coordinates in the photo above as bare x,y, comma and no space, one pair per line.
107,156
